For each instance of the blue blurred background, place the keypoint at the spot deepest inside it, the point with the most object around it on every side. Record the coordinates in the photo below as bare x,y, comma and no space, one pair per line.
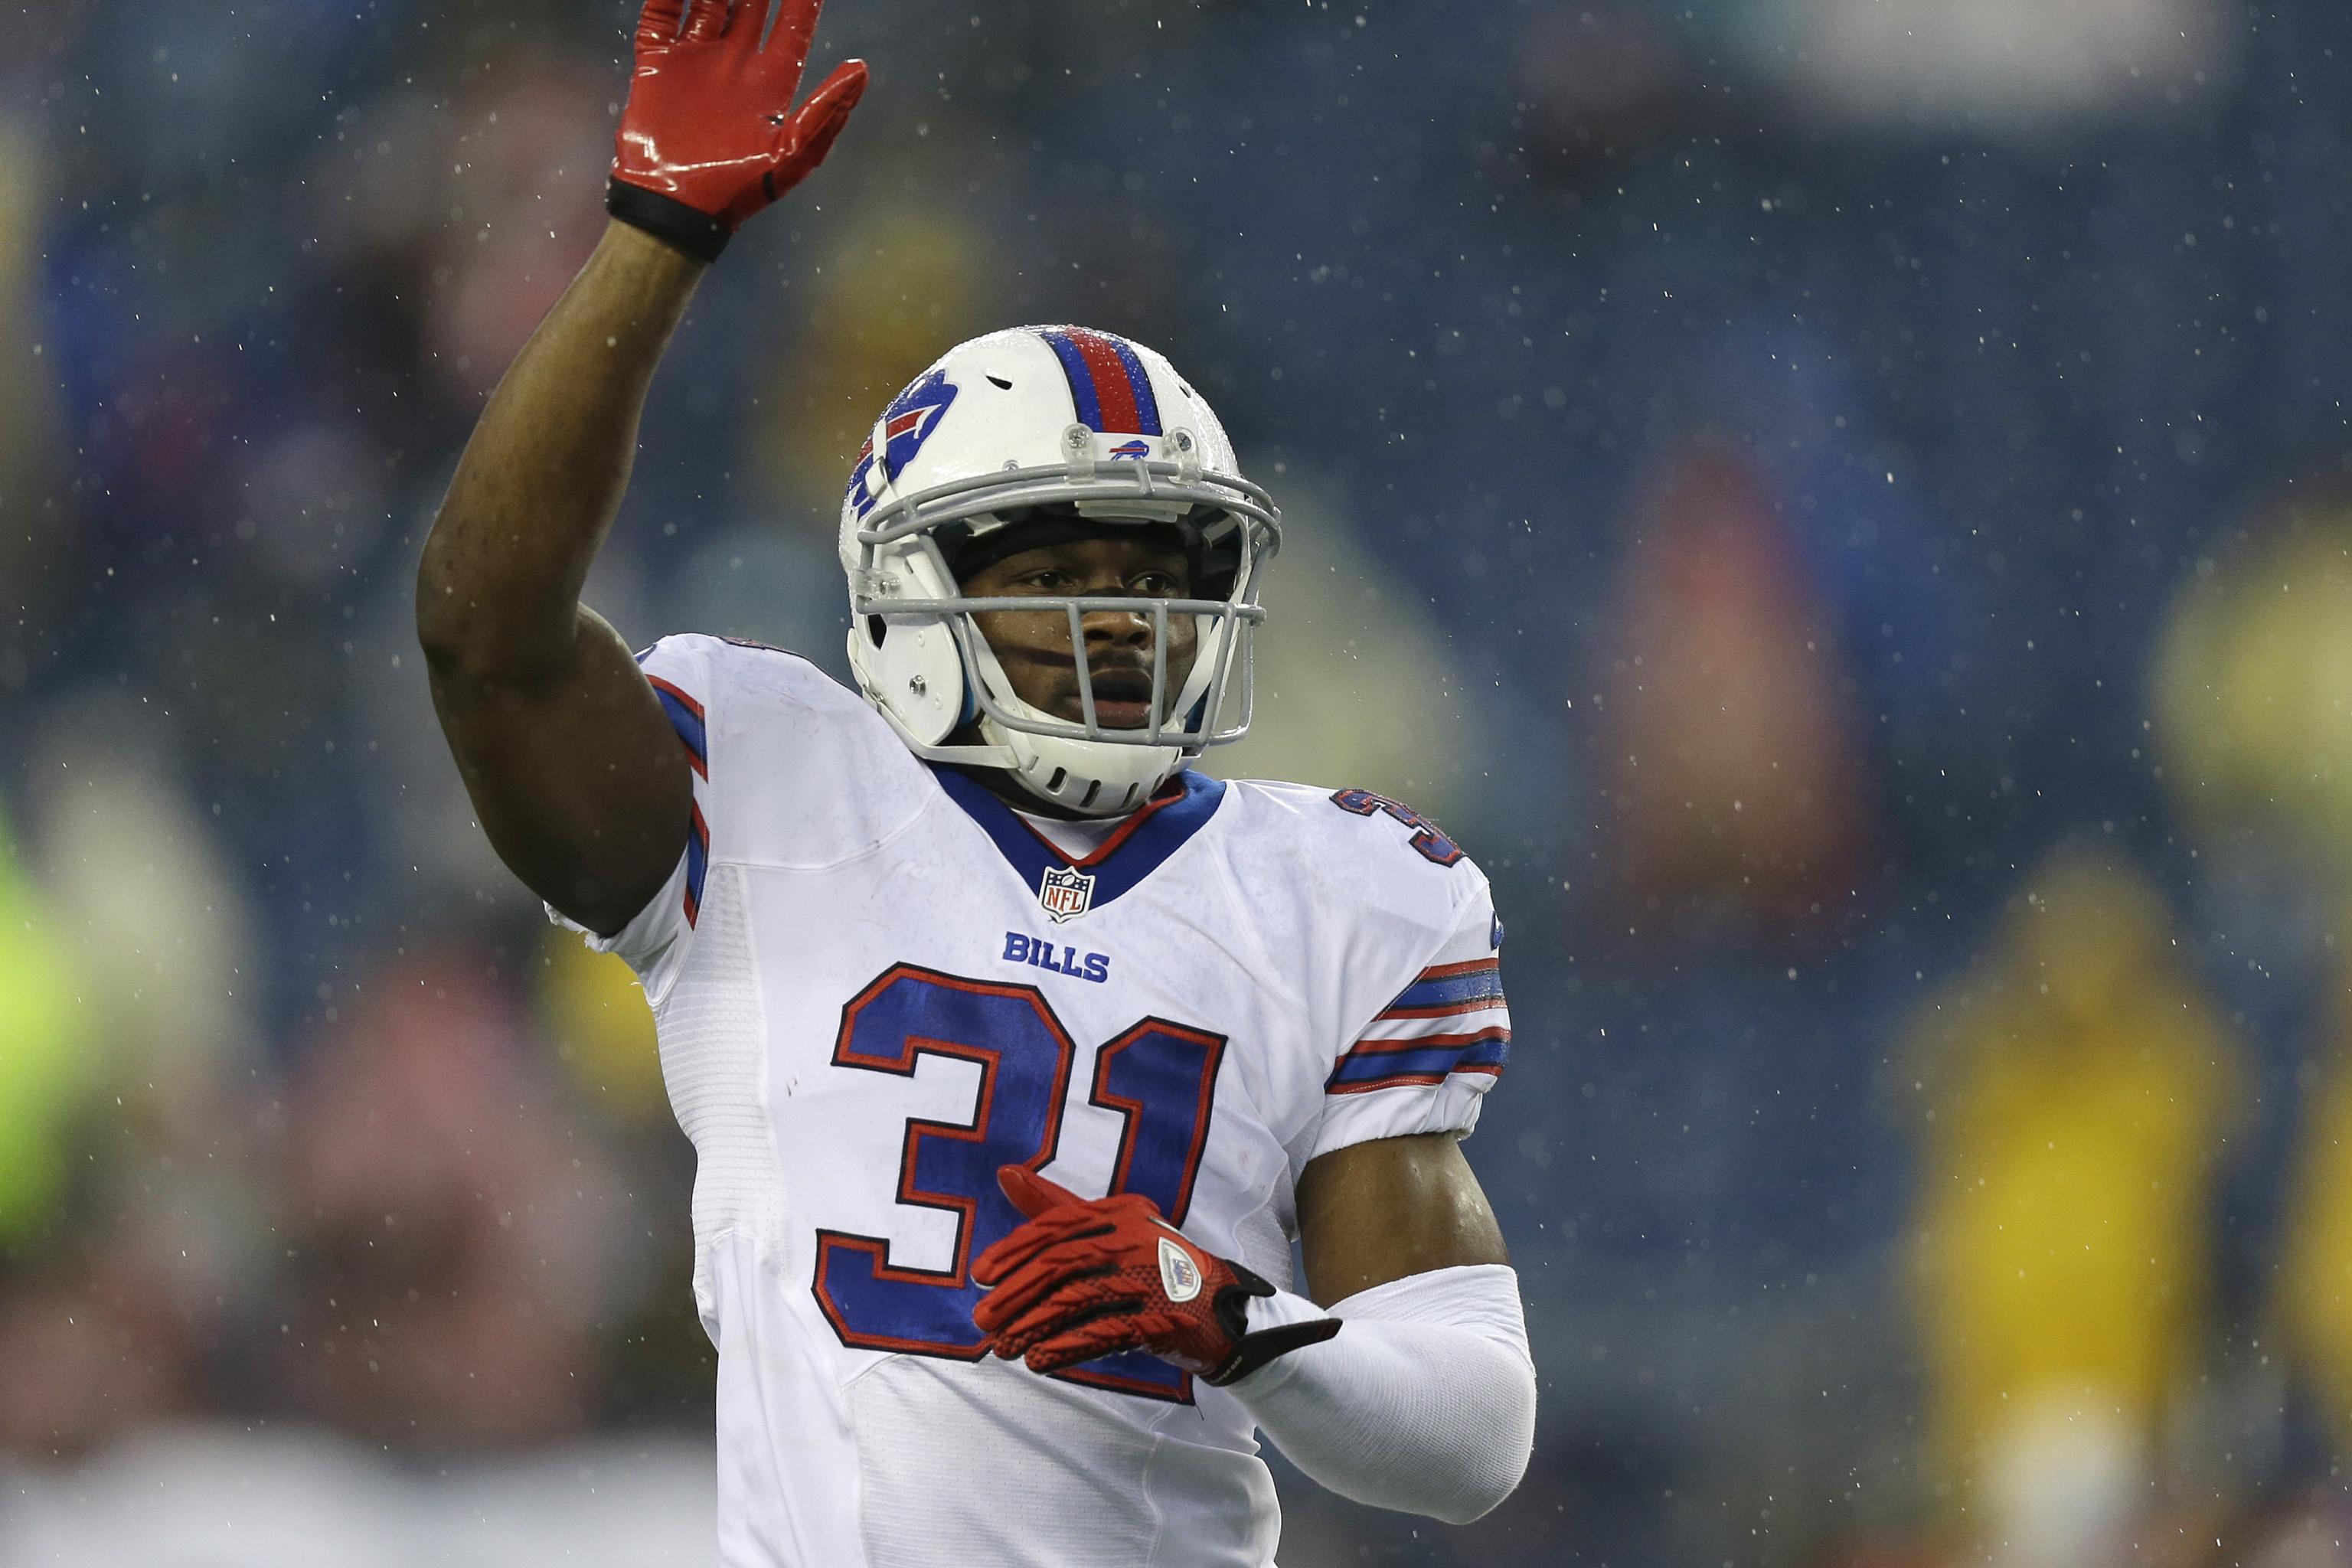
1846,506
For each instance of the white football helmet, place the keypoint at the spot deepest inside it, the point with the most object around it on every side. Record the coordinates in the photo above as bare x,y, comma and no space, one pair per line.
1086,431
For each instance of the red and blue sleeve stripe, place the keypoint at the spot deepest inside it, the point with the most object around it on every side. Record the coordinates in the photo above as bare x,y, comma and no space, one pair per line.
685,717
1431,1058
1450,988
1108,384
1452,1019
697,864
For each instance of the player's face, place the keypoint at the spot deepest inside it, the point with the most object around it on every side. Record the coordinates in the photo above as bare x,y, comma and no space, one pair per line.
1035,646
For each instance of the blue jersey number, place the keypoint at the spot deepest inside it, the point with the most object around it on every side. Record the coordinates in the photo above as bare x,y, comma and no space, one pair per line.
1160,1075
1427,837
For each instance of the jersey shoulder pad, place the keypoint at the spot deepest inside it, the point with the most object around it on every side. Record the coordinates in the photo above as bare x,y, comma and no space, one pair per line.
1358,822
1354,848
1395,820
1396,940
796,767
742,672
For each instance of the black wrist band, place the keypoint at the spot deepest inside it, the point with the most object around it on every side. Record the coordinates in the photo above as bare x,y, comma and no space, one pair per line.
1253,1351
667,218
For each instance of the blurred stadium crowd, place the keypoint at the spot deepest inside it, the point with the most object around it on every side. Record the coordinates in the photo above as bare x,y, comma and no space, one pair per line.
1846,506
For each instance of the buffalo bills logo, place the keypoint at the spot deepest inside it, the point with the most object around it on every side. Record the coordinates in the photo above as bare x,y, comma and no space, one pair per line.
1136,449
906,424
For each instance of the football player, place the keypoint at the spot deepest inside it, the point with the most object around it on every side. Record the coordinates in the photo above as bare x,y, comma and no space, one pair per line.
1016,1053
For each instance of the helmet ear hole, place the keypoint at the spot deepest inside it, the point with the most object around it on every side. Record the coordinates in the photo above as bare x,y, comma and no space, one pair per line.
877,629
916,679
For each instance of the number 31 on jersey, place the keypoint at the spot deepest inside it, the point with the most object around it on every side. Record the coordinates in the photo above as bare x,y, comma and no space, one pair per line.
1160,1077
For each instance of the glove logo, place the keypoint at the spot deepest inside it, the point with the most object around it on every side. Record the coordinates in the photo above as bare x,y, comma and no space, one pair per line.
1179,1275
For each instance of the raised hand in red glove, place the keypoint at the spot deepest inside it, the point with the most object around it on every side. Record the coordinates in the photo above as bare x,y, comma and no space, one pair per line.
709,135
1091,1276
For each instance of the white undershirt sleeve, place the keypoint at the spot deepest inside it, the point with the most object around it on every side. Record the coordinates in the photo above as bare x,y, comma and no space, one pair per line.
1424,1401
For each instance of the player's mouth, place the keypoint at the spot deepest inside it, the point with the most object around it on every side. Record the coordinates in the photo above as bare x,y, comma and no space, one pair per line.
1122,699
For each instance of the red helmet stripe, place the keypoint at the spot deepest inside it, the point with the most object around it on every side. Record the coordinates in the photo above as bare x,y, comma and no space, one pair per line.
1112,388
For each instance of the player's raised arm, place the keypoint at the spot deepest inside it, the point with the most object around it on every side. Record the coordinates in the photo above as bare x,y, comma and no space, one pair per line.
575,772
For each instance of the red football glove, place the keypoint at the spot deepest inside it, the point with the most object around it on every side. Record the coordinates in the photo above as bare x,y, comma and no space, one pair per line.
709,135
1088,1278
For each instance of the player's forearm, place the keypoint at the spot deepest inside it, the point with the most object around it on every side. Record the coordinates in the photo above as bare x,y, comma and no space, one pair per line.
498,589
1425,1401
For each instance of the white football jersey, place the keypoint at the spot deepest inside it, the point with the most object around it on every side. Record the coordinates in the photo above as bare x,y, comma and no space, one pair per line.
875,984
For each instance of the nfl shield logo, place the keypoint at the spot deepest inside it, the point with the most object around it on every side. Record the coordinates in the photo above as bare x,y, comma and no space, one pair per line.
1065,892
1179,1276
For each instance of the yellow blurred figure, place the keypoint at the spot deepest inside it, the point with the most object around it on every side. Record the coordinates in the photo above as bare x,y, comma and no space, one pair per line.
49,1064
2076,1086
2253,692
903,285
2253,685
2316,1282
596,1013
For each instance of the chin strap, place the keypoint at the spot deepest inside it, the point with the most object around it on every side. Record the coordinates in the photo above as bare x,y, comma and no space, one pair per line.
1034,758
